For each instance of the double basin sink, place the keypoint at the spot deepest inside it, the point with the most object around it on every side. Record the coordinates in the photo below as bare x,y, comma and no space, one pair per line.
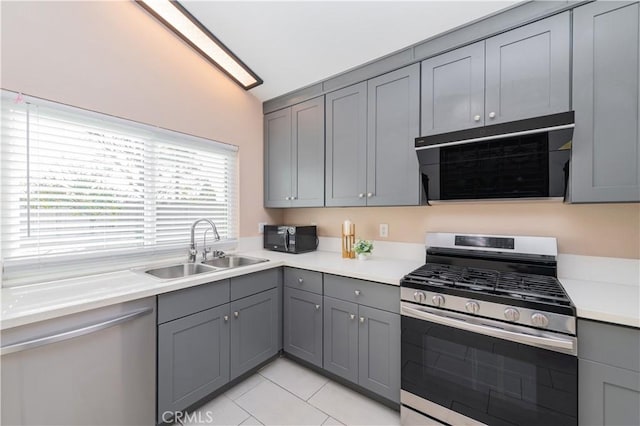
182,270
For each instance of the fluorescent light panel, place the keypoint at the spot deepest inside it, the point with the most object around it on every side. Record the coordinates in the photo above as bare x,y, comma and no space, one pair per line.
180,21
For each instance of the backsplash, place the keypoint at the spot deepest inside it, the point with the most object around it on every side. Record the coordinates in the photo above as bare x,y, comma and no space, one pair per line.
607,230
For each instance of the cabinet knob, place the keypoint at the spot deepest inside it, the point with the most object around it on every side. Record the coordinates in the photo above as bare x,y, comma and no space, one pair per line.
492,114
300,280
357,292
226,318
352,316
236,314
293,198
361,195
287,198
317,307
361,320
476,118
369,194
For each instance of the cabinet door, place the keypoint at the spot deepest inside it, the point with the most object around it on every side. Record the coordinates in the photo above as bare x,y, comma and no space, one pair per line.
607,395
527,71
303,325
254,330
193,358
605,163
393,124
277,159
308,153
379,352
341,338
346,134
453,90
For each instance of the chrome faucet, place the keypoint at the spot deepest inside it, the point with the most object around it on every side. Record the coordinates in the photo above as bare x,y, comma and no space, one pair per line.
193,253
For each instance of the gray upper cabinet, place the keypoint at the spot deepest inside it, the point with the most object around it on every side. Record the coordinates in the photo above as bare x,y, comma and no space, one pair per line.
522,73
346,143
608,374
254,330
605,164
277,159
393,124
341,338
303,325
294,155
193,358
371,127
453,90
527,71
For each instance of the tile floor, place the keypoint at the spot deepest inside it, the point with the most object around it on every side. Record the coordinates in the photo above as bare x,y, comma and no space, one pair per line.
285,393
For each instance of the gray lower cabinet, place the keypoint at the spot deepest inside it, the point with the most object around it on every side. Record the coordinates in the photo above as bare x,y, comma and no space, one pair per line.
294,155
370,128
362,345
193,358
608,374
605,163
254,330
527,71
302,324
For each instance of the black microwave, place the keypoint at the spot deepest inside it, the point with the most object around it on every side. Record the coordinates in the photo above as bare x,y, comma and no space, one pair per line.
290,239
523,159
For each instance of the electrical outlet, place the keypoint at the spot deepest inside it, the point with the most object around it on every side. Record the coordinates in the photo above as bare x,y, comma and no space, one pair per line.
384,230
261,227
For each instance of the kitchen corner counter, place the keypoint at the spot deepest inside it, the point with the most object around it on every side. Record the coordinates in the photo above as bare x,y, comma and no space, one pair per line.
603,301
38,302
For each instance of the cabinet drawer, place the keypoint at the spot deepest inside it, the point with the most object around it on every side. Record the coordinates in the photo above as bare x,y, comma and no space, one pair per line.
376,295
303,279
609,344
246,285
185,302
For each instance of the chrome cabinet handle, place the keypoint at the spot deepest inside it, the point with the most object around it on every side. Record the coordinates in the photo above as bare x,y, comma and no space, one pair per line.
361,195
300,280
369,194
226,318
492,114
362,320
66,335
476,118
293,198
357,292
236,314
287,198
352,316
317,307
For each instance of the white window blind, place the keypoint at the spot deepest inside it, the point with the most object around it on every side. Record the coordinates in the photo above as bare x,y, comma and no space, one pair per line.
80,184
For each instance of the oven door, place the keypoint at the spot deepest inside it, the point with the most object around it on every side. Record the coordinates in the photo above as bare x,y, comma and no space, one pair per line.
461,369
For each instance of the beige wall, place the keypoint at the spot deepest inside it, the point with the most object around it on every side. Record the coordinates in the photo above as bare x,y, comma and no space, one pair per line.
611,230
114,58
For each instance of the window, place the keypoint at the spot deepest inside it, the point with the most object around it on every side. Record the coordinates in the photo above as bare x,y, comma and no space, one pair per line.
78,185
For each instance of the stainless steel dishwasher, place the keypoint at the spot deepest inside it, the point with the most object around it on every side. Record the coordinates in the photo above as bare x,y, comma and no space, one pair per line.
90,368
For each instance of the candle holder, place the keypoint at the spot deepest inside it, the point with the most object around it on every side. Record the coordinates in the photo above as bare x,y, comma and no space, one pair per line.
348,241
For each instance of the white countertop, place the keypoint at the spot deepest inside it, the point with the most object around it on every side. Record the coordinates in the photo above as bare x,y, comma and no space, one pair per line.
37,302
583,278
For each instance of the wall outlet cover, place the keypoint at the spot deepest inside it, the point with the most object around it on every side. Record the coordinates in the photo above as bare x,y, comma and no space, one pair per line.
384,230
261,227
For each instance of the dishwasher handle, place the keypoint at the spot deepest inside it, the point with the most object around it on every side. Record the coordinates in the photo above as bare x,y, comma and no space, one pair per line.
66,335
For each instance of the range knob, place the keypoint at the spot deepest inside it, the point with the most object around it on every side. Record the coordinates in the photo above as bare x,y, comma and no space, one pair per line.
437,300
419,296
472,307
512,314
539,320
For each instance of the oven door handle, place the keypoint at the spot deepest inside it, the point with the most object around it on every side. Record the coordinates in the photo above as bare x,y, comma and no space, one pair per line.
556,344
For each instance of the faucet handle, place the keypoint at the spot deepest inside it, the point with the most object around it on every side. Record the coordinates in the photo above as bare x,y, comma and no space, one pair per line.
205,252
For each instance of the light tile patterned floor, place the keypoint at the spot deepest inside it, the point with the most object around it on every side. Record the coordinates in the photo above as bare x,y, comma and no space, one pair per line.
285,393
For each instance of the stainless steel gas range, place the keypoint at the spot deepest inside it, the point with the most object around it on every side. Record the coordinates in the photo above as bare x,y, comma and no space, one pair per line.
488,334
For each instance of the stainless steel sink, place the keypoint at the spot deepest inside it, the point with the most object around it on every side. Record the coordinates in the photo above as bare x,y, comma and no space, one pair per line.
180,270
233,261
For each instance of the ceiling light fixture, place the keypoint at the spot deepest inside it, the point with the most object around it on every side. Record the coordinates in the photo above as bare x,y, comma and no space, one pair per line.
187,27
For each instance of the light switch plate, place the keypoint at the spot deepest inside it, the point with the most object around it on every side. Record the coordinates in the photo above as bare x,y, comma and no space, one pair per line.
261,227
384,230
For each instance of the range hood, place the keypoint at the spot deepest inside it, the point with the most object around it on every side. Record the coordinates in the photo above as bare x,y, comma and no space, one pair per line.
520,159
